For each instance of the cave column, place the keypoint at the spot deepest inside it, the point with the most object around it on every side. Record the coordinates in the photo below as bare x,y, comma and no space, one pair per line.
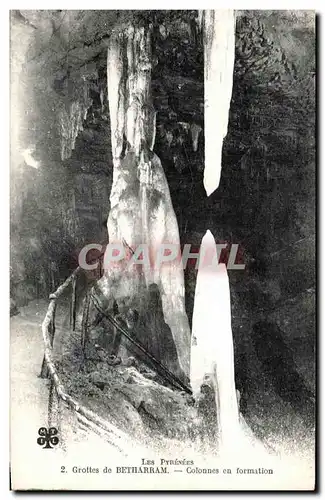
147,216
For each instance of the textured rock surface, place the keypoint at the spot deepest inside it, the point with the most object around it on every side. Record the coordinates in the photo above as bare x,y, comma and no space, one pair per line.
266,198
133,397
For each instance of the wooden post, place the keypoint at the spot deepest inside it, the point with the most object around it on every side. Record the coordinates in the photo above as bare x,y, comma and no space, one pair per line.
52,275
51,328
50,405
84,323
100,267
73,304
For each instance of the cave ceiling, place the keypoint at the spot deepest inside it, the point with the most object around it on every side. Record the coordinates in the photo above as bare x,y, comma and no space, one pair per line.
57,53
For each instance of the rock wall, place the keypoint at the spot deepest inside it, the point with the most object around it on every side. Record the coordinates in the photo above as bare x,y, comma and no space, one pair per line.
266,197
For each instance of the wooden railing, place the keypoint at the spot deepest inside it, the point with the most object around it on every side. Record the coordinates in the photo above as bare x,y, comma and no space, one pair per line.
91,420
48,369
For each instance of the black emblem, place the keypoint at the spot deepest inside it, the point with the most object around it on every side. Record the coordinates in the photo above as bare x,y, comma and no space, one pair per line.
48,437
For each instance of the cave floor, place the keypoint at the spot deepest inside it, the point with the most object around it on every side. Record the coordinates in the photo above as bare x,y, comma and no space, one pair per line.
29,407
282,428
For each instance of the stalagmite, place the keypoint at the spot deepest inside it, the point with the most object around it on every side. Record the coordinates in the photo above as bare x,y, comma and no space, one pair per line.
141,208
219,56
212,354
212,344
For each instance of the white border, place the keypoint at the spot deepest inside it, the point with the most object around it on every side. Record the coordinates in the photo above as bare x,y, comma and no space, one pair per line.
4,184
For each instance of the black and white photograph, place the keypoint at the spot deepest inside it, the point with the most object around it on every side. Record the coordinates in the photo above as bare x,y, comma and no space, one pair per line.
163,250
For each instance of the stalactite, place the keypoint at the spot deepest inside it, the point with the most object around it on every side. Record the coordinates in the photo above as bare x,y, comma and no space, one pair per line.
163,31
219,54
195,133
116,94
71,120
185,126
70,123
169,137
